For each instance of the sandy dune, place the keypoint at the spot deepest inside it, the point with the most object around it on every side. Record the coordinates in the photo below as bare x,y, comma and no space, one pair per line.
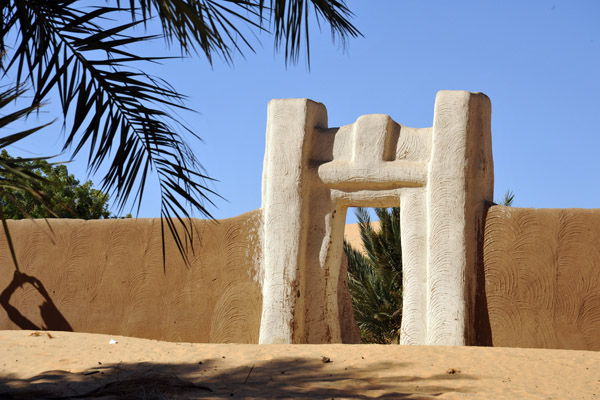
69,364
352,235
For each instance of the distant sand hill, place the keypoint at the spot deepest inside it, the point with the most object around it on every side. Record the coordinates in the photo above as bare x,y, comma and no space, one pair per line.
352,235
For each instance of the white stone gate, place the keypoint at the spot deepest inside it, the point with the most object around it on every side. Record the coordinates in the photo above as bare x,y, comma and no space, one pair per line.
439,176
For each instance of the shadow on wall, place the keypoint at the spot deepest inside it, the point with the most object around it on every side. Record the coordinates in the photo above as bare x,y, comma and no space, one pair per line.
49,313
282,378
483,330
107,276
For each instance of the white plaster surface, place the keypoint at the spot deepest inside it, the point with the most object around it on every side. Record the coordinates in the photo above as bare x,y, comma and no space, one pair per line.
440,176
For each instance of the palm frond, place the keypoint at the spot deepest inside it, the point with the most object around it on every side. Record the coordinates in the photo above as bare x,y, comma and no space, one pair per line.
119,113
290,21
216,27
508,198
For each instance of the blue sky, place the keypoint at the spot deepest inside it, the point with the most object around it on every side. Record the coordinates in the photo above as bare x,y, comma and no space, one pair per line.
538,61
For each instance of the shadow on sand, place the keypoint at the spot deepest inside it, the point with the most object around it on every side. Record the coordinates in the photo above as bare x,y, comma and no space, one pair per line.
279,378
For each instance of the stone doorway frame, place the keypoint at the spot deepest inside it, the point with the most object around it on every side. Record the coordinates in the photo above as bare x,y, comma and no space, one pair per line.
441,177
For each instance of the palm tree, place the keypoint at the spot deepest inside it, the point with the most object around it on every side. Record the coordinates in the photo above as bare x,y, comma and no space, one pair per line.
375,278
82,55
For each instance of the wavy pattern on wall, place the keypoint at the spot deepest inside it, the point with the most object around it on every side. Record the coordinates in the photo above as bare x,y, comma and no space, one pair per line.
106,276
542,277
446,189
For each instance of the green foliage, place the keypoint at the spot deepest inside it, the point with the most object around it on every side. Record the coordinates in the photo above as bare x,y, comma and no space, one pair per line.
508,198
66,196
375,279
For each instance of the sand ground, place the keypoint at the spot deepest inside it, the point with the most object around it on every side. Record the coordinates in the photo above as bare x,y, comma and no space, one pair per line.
52,364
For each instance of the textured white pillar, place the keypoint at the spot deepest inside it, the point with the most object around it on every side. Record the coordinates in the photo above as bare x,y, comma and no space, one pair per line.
413,234
285,193
460,180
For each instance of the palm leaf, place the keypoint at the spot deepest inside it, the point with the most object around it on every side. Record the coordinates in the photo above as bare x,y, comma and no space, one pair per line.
508,198
213,27
119,112
116,108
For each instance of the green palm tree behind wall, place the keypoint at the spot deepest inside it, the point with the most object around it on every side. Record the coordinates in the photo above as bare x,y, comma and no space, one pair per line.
375,277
